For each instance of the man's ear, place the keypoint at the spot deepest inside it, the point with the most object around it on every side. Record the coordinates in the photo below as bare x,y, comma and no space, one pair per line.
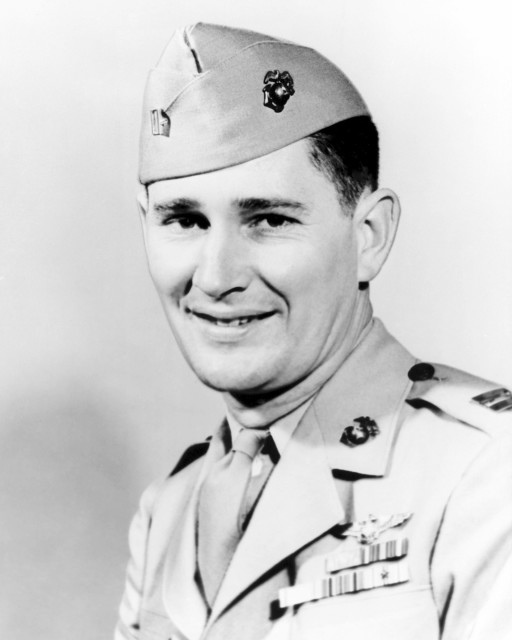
376,218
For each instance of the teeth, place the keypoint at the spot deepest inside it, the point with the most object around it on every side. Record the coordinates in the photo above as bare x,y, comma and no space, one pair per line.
238,322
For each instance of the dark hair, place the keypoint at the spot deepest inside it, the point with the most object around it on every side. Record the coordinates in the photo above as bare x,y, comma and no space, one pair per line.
348,153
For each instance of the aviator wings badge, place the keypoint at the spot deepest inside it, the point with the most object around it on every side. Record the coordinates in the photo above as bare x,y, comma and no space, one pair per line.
368,531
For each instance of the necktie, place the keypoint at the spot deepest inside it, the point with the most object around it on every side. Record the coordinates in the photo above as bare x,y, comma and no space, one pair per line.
220,509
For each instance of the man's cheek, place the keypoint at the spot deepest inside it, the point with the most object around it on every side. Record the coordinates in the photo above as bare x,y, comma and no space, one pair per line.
169,275
159,273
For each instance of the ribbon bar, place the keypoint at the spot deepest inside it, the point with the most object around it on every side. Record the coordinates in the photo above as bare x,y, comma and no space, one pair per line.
382,575
367,554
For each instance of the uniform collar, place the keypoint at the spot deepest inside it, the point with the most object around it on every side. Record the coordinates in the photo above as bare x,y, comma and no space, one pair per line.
372,382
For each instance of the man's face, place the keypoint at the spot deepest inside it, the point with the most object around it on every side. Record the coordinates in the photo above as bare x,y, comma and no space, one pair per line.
256,267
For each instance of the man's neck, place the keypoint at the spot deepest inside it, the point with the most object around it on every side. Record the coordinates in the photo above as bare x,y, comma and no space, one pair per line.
258,410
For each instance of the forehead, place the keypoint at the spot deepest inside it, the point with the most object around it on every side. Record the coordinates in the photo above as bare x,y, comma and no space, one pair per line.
287,172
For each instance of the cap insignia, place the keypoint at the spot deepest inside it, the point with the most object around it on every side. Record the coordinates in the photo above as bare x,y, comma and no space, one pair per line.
160,123
359,433
277,90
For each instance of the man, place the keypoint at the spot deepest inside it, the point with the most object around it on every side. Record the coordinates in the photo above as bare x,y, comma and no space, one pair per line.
352,491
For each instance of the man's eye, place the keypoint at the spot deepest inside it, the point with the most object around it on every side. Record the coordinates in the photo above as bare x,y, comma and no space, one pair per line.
186,222
272,221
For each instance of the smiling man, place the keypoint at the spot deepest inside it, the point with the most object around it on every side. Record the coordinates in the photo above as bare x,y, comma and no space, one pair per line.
351,490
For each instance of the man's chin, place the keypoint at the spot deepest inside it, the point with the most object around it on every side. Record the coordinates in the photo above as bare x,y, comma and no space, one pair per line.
237,383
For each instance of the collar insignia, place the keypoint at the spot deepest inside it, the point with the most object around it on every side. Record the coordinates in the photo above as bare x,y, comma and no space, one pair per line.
364,429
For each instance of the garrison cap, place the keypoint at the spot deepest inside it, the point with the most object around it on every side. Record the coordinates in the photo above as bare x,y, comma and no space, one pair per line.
221,96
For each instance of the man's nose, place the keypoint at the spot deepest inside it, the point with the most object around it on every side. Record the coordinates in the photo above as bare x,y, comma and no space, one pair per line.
223,264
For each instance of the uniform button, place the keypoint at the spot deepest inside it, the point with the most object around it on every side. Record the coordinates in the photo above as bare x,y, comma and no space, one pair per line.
421,371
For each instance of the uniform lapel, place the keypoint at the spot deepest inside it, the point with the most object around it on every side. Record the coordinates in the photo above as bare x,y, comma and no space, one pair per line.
299,503
301,499
182,598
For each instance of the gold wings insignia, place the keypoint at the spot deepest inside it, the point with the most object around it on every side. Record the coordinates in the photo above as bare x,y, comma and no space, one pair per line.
369,530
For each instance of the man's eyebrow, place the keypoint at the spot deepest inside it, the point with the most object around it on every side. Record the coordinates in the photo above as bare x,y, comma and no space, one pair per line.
244,205
251,205
178,205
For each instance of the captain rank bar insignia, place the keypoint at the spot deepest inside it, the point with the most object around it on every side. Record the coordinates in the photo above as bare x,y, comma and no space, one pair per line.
498,399
372,577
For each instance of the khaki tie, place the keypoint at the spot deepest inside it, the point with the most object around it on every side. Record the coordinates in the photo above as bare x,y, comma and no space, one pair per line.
223,508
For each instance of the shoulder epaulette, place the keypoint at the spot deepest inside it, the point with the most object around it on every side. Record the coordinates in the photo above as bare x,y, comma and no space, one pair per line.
467,398
192,453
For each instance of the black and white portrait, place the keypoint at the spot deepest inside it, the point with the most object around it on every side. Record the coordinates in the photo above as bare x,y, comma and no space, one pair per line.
287,220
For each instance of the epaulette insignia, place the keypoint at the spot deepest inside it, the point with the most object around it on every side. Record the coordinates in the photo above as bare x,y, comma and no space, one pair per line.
192,453
496,399
467,398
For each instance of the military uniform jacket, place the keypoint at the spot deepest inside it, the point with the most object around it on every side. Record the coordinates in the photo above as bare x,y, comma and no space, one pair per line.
406,536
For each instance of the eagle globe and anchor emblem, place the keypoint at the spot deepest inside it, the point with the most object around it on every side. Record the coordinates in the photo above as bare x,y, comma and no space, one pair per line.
360,432
277,90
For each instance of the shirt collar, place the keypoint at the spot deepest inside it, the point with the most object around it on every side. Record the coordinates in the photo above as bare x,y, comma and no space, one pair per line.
281,430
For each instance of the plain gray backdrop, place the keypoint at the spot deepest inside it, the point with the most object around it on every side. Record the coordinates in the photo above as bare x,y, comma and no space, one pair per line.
95,398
